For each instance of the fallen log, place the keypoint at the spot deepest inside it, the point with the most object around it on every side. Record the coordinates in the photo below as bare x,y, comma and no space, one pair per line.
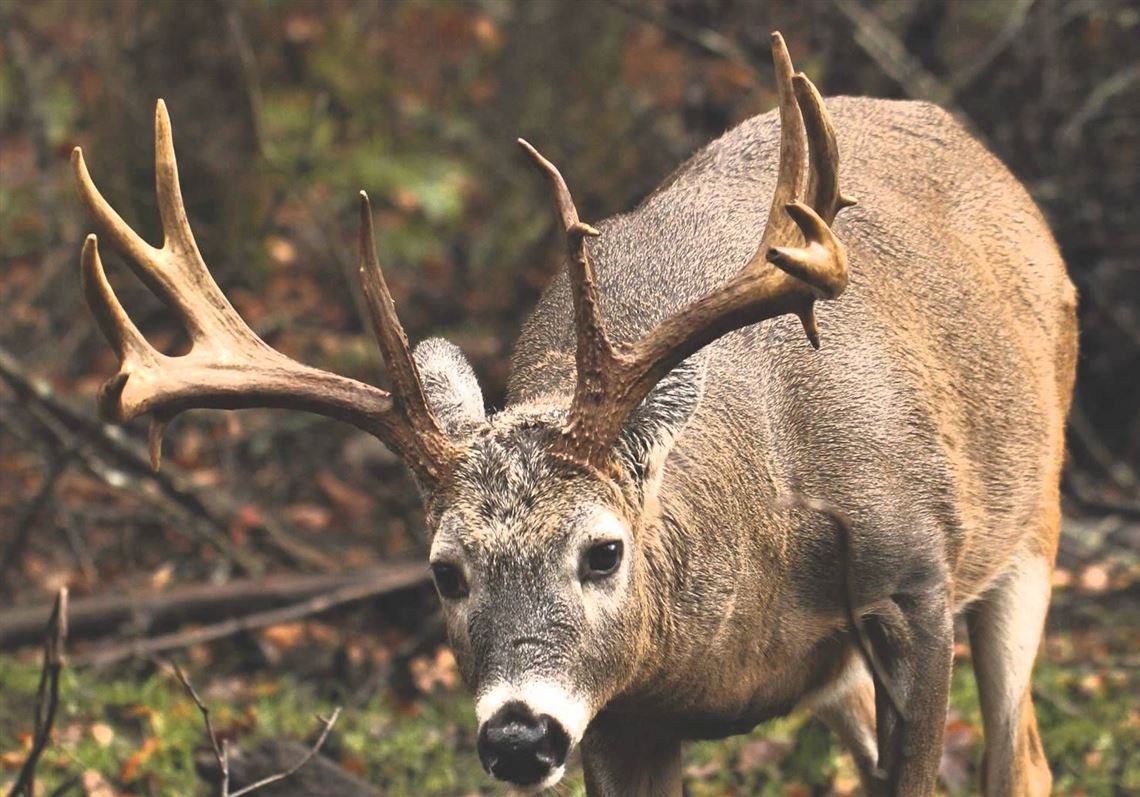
144,612
145,647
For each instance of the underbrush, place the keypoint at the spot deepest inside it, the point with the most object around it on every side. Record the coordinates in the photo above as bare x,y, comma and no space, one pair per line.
136,732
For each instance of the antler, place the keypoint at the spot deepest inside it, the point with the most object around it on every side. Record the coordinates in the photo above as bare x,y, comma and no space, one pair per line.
613,379
228,365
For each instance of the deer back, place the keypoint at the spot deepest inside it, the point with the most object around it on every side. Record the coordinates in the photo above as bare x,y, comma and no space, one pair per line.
950,354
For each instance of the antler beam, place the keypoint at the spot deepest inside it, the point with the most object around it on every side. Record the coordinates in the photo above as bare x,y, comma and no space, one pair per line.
810,263
228,365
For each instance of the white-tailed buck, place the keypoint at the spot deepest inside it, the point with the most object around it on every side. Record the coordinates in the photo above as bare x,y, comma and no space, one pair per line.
687,520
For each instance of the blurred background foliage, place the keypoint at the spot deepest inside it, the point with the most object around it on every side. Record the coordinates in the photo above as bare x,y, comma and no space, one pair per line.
284,109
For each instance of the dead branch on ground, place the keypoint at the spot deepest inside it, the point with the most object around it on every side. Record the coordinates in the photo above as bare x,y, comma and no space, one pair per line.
108,447
221,747
31,513
47,696
351,593
147,610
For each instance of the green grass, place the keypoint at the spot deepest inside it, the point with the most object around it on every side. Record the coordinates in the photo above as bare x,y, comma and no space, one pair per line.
1089,721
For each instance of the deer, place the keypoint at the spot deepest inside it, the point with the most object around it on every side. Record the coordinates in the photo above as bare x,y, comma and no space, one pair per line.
684,521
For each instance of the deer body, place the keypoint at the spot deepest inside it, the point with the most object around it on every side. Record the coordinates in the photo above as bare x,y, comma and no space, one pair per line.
933,414
687,521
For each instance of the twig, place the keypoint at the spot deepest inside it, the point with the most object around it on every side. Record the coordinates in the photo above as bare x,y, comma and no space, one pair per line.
221,748
248,63
1117,83
47,695
706,39
250,622
31,513
212,506
892,57
200,524
221,754
975,67
327,727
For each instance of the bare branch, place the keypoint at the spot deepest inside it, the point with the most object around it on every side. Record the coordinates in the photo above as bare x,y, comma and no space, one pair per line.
891,55
220,753
47,695
327,727
74,427
31,513
221,750
252,622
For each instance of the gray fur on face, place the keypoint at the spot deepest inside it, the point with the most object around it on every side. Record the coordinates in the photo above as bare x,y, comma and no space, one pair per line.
450,385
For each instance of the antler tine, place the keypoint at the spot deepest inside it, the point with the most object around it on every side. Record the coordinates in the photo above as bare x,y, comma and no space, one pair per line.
175,273
823,193
611,382
595,354
427,442
113,321
228,365
171,209
822,262
122,236
793,146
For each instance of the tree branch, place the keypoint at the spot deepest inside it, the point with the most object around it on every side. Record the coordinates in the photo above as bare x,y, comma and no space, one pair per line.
221,750
251,622
213,506
47,695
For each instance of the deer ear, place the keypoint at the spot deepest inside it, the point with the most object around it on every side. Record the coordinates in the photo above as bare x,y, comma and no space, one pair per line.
653,428
450,386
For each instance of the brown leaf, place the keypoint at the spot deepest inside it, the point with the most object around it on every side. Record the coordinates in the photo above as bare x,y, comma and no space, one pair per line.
130,768
12,759
1094,578
285,636
310,516
103,734
95,785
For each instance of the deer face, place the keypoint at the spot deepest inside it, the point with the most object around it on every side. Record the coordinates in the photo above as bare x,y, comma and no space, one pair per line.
541,566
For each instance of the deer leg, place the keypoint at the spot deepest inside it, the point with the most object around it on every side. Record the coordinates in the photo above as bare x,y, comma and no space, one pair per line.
1005,632
620,760
912,638
850,714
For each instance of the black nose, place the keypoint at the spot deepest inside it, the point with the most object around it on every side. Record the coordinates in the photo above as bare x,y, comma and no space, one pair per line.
518,747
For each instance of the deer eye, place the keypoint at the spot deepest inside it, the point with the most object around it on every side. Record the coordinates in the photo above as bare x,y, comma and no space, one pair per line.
449,581
601,560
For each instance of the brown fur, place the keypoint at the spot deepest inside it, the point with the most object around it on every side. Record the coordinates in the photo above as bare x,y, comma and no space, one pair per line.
933,415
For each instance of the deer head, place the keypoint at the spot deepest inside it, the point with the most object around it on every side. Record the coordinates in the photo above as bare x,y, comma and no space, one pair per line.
541,514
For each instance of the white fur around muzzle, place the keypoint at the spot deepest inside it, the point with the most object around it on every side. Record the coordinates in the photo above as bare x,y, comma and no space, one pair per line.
541,697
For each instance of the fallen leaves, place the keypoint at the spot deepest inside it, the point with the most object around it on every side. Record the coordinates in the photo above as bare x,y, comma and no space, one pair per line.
131,768
437,670
103,734
95,785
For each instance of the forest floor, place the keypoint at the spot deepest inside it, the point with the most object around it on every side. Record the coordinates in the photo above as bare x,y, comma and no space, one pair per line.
407,725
